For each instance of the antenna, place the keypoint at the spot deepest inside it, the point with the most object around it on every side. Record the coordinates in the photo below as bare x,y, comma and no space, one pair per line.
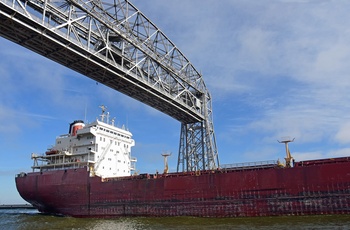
85,112
103,112
127,122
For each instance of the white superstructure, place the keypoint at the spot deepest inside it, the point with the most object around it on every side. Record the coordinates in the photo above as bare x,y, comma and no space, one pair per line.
100,146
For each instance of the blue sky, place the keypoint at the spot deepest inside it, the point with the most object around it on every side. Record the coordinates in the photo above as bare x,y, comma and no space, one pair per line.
275,68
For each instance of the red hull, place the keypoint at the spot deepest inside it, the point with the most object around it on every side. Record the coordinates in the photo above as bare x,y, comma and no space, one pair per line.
309,188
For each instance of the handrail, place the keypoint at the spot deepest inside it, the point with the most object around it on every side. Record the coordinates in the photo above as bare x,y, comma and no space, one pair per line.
249,164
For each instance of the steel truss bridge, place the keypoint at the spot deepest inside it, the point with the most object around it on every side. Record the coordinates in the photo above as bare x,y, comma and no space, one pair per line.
113,43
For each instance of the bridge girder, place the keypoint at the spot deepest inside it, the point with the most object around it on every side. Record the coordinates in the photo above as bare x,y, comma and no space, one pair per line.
116,45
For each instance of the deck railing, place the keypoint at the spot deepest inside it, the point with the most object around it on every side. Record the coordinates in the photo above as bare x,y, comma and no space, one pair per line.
256,164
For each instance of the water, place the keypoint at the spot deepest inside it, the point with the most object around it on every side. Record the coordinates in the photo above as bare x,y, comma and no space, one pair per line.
30,219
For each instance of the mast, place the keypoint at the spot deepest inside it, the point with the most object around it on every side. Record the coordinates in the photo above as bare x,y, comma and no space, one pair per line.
166,167
288,157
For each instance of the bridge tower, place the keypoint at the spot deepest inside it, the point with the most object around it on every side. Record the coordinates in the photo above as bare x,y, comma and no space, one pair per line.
113,43
197,150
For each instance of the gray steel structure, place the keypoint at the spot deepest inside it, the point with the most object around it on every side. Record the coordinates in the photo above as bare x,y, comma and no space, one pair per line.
115,44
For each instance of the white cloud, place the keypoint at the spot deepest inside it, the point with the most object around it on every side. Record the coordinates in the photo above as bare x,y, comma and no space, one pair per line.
307,156
278,67
339,153
343,134
285,62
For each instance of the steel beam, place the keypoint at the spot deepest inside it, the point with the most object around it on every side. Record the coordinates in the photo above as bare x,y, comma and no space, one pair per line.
117,45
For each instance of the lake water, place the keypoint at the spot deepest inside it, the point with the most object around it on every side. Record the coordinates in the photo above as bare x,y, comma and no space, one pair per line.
31,219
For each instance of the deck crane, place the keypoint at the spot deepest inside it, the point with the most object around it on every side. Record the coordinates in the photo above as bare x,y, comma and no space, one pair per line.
288,157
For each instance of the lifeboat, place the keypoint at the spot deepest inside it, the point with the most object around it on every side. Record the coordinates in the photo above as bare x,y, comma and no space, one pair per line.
51,152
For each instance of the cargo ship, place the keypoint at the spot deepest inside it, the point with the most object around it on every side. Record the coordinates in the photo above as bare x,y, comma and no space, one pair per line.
90,172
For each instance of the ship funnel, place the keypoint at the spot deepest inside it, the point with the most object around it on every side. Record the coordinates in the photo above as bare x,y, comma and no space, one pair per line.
75,126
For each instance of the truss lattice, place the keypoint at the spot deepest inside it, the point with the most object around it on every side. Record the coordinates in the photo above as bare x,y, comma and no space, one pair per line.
115,44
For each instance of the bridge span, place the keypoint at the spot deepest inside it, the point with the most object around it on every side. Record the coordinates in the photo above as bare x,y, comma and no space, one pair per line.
113,43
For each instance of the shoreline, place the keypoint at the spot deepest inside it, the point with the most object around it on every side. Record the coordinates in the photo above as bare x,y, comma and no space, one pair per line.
15,206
